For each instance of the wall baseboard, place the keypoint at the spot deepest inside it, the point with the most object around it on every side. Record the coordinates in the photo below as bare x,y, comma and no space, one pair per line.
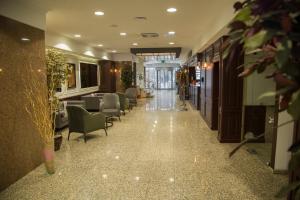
278,171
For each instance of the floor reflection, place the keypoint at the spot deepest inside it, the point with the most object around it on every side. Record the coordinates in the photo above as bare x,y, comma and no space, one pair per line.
163,100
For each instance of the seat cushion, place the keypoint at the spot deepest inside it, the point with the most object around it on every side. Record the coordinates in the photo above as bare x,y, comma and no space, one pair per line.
111,111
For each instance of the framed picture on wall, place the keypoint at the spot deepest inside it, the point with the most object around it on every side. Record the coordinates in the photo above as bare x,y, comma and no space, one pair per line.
72,76
88,75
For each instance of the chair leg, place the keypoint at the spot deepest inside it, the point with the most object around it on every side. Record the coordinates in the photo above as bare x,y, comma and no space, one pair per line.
84,137
69,135
119,117
105,131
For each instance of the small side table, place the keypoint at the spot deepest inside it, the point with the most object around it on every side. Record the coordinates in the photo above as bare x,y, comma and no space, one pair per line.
108,121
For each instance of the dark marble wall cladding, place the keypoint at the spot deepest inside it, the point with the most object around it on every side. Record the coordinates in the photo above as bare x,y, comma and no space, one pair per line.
20,145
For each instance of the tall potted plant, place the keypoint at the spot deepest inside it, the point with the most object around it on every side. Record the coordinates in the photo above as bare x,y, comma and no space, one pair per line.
126,77
42,102
272,28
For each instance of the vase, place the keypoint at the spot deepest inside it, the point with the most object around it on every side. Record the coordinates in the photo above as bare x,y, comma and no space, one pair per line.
48,154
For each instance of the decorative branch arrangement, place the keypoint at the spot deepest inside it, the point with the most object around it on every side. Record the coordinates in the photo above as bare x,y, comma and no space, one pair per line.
271,27
37,105
42,102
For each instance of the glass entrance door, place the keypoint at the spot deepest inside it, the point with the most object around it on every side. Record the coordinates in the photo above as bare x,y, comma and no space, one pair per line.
165,79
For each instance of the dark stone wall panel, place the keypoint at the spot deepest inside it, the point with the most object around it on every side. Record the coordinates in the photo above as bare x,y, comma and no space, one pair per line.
20,144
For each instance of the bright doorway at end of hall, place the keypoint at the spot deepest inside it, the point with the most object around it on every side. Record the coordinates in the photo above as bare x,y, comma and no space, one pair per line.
160,78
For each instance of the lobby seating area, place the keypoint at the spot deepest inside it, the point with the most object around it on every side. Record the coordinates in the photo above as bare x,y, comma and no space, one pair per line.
94,111
149,100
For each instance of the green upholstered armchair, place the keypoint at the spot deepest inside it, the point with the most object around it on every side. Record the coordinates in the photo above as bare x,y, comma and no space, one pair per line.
131,94
124,102
110,105
82,121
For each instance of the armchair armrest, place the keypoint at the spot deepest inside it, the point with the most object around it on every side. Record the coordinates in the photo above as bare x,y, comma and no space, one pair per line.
101,106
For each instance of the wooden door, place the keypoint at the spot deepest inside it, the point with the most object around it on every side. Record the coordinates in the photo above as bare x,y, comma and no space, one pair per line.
215,96
255,120
230,101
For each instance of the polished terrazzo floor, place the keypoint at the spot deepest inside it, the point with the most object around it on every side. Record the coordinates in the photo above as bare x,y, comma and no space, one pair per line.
155,152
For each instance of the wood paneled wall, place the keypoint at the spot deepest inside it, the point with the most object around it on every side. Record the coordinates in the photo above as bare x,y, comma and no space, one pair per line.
107,76
221,93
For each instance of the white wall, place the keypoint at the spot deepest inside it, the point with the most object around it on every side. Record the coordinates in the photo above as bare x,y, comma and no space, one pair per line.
256,85
76,59
284,141
123,57
54,39
22,12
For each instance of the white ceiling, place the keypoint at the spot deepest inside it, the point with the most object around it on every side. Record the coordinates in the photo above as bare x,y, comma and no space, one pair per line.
194,22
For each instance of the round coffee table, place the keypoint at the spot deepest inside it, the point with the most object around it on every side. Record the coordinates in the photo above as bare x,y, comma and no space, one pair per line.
108,121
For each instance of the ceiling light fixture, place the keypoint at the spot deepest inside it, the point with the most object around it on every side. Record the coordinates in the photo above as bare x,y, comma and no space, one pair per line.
89,53
104,57
171,43
114,51
123,34
100,45
171,10
135,44
77,35
171,32
63,46
99,13
25,39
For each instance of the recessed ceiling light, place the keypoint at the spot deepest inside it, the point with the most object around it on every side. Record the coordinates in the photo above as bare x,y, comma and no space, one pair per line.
25,39
171,10
114,51
100,45
123,34
77,35
135,44
171,32
140,18
104,57
99,13
171,43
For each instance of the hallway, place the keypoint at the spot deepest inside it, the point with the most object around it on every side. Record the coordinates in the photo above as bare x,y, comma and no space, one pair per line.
156,152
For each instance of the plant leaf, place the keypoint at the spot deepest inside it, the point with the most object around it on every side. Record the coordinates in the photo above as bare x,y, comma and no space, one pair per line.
283,52
266,95
254,139
284,191
244,14
294,106
295,147
257,40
